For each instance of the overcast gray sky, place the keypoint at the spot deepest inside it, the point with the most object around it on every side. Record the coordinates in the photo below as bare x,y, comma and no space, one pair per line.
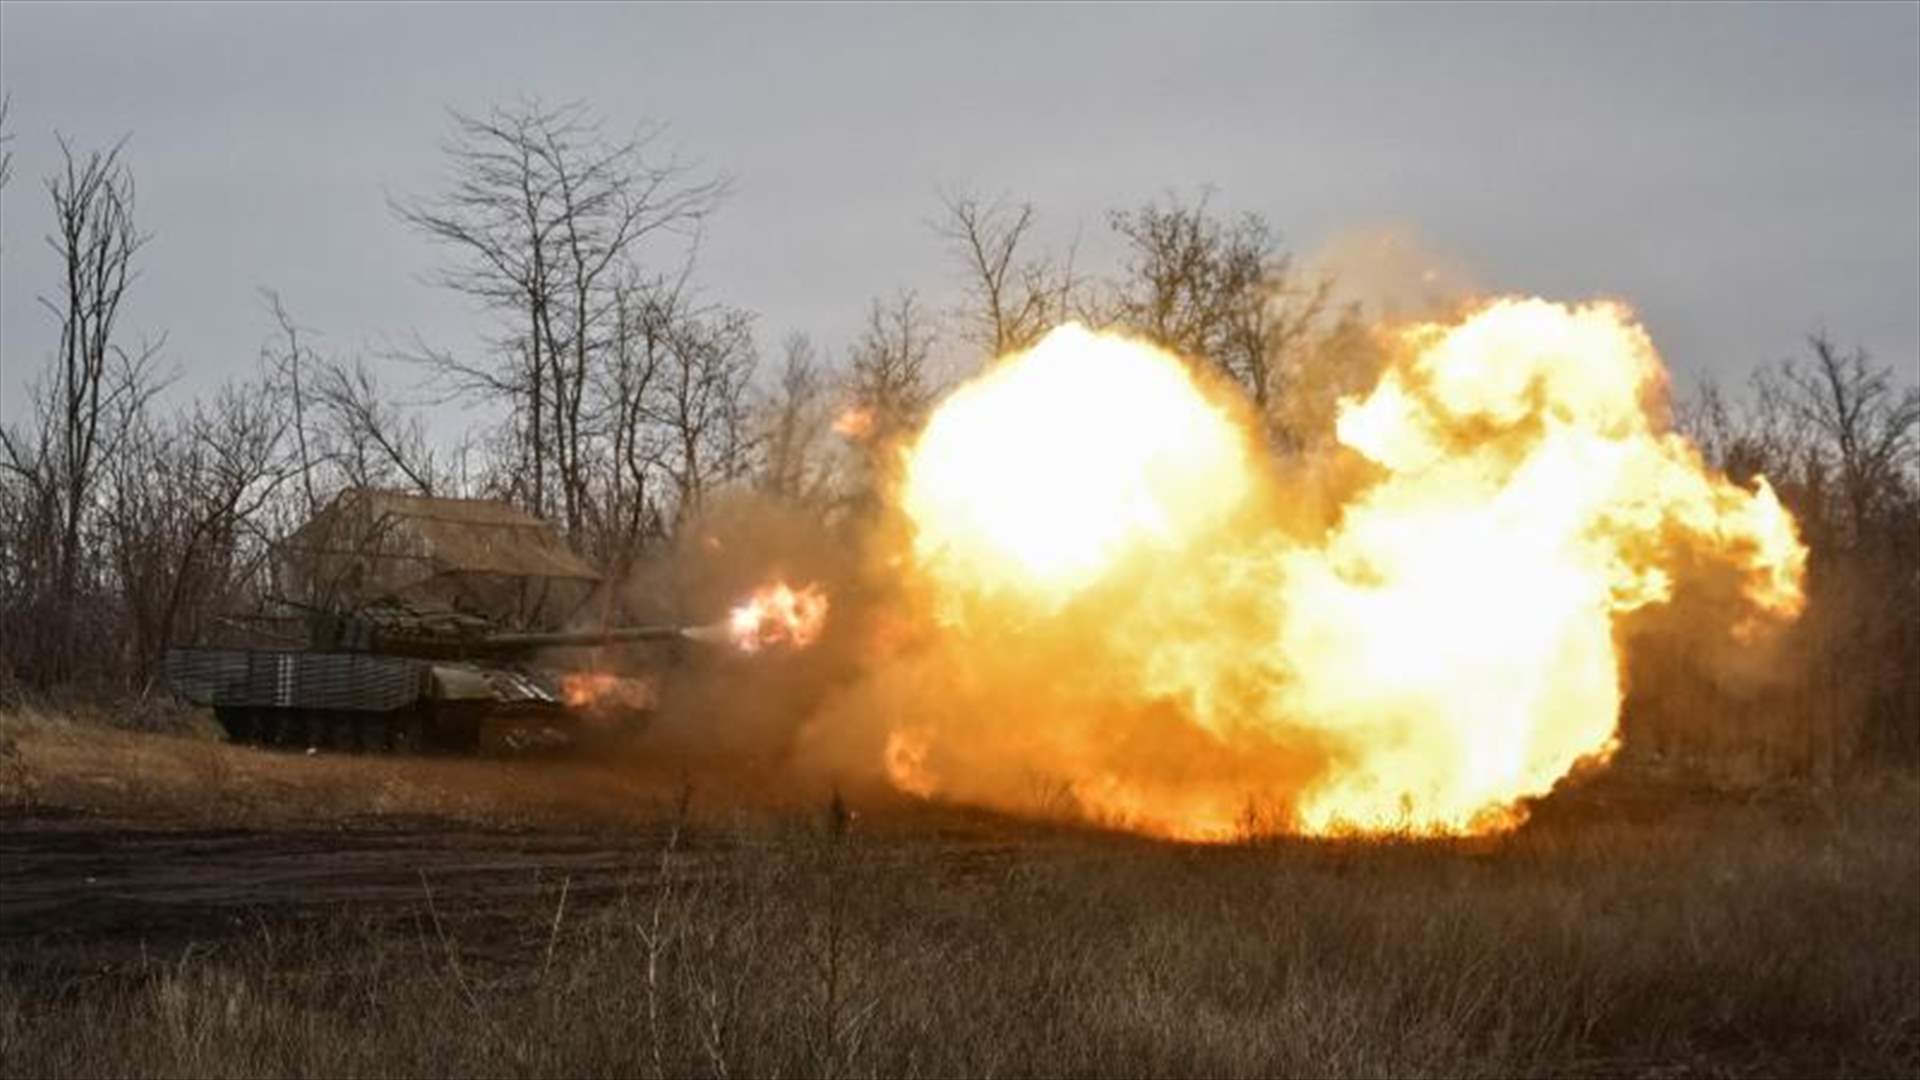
1739,174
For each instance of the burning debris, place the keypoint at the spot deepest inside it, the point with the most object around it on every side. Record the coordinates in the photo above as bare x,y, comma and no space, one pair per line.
604,689
1122,600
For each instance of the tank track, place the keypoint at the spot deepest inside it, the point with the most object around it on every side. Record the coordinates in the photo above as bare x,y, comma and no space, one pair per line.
403,731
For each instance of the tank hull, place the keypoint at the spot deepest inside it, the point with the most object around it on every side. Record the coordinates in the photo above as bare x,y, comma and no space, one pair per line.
359,703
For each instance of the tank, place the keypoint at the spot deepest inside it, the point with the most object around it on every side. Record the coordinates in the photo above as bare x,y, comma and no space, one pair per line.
429,625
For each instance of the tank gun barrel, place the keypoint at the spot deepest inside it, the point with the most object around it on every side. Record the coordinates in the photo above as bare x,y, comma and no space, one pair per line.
513,645
521,642
428,641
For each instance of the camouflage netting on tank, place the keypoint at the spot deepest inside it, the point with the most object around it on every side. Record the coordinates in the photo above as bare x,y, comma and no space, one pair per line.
478,555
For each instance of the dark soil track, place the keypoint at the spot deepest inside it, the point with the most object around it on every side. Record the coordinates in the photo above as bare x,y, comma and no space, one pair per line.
82,891
78,882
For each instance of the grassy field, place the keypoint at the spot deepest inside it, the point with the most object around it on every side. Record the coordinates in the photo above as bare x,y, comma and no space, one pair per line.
1632,929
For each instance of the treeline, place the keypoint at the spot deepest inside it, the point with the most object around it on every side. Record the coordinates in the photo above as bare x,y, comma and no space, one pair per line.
617,398
1839,438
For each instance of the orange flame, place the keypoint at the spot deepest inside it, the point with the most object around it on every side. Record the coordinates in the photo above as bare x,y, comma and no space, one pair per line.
593,689
907,763
854,424
1129,610
776,614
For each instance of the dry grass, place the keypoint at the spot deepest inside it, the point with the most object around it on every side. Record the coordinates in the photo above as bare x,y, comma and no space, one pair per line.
1655,936
185,772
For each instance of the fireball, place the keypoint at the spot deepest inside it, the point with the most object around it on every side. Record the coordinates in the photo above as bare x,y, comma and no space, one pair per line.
1011,487
1127,612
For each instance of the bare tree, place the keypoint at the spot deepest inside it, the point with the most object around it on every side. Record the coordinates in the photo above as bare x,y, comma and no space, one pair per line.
699,405
1764,436
1011,300
795,425
889,392
1219,291
288,365
628,512
542,212
182,510
1186,272
6,155
889,368
1868,430
366,436
94,387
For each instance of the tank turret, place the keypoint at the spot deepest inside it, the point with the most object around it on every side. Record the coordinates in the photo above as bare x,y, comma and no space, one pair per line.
398,630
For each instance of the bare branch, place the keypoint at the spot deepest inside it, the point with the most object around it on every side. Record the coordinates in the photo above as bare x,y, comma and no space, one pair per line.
545,217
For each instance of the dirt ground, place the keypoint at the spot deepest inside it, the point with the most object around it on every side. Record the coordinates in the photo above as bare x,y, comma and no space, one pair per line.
114,843
173,905
78,891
